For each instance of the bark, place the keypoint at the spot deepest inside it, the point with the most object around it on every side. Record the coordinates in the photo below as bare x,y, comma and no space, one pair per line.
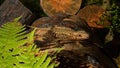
67,7
11,9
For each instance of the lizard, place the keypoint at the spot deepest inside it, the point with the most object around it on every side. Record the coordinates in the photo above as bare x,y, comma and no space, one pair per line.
57,36
61,33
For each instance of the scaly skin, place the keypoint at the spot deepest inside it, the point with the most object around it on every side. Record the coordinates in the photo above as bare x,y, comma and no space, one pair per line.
64,33
60,33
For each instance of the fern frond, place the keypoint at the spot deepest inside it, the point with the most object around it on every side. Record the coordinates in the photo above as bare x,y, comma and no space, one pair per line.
14,53
11,33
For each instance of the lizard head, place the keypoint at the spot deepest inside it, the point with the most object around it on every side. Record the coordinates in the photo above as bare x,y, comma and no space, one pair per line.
81,35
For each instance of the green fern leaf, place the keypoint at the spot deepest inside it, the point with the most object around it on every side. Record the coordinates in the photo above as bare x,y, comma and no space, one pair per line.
51,65
46,63
14,53
40,60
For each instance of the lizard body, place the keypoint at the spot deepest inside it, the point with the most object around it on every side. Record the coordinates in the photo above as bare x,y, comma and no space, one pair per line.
60,33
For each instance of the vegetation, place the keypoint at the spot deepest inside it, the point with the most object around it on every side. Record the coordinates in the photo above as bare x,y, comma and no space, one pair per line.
13,50
113,15
115,18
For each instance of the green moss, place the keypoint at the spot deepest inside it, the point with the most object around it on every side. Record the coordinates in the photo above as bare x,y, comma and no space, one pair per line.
115,18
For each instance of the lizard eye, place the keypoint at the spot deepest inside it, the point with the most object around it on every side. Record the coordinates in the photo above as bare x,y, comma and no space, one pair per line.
80,35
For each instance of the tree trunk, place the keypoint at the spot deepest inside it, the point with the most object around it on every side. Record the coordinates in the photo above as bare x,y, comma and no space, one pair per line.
11,9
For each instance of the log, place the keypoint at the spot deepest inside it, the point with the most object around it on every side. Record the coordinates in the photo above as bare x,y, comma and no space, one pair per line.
11,9
84,55
66,7
92,15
